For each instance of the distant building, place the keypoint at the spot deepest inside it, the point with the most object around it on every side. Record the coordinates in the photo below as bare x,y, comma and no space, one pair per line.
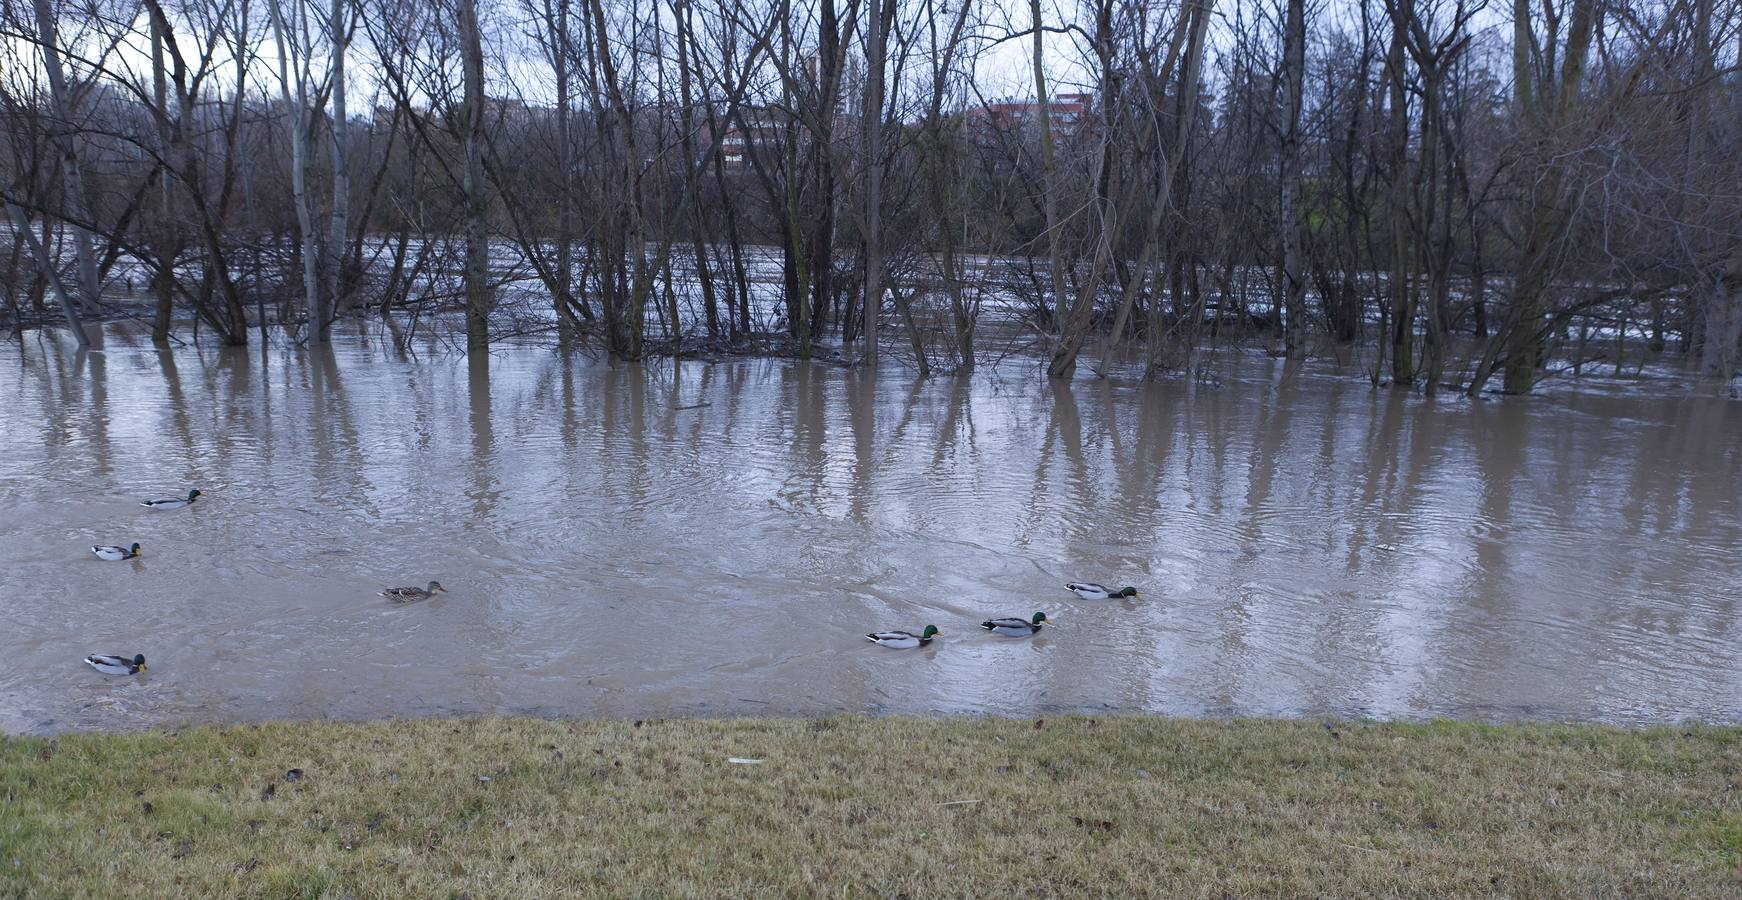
761,131
1068,115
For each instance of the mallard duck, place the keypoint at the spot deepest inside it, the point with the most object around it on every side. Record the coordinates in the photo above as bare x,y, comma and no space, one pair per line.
1015,627
116,665
1088,590
408,594
114,554
173,502
902,640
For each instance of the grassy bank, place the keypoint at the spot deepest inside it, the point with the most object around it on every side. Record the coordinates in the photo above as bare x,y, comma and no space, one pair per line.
1120,805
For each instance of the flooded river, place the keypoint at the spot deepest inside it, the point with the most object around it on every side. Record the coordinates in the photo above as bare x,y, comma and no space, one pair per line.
716,540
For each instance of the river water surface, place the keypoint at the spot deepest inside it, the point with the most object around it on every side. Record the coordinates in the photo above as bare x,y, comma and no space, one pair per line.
1306,545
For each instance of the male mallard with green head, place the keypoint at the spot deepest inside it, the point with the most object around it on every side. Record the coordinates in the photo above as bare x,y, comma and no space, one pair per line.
116,665
1088,590
1012,627
903,640
173,502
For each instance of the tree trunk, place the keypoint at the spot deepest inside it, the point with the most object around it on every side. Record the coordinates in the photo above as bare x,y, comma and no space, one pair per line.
938,175
740,324
477,278
163,284
792,226
341,39
1293,282
50,277
1049,193
903,303
72,176
1188,22
296,103
873,164
1175,258
565,155
1074,329
1522,332
710,304
1723,325
1402,297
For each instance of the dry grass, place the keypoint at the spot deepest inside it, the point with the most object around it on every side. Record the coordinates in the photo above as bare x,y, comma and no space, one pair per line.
872,807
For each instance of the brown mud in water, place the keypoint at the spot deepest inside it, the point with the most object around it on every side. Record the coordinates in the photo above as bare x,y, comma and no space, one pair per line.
637,542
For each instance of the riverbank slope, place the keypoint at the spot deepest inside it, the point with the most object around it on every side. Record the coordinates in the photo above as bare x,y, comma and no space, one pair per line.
1128,805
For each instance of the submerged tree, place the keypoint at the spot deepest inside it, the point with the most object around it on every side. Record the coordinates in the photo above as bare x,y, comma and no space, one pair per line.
639,176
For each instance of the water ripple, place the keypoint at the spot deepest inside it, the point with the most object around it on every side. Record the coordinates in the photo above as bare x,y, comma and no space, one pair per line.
1304,547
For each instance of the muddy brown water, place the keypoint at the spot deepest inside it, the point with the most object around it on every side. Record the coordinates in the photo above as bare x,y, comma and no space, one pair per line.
1306,545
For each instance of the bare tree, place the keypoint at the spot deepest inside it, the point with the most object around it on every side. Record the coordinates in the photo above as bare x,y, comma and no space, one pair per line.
339,31
876,36
72,176
1292,278
477,229
1545,100
301,102
21,224
777,173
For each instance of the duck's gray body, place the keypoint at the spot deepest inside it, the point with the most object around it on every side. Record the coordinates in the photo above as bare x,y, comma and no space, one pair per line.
172,502
1088,590
1012,627
115,665
411,594
900,640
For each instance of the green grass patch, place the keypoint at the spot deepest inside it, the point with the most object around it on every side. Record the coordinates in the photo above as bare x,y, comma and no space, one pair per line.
1122,805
